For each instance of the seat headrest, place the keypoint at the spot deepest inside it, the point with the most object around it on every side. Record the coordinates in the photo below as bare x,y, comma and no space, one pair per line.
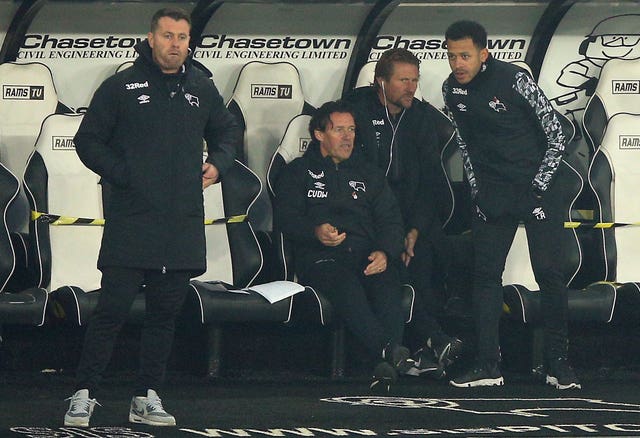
28,95
296,138
619,86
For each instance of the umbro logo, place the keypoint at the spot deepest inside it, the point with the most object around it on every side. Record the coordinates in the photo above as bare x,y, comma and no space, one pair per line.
144,98
462,107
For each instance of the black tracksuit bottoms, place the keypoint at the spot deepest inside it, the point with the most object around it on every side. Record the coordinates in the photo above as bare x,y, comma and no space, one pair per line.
492,241
164,297
370,306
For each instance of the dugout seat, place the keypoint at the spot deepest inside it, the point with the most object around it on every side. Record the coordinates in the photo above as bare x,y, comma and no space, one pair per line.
63,253
28,96
265,97
234,262
614,175
617,91
17,305
312,306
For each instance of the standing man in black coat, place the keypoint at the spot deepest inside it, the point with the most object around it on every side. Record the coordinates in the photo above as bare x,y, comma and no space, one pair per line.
345,225
396,133
512,144
143,134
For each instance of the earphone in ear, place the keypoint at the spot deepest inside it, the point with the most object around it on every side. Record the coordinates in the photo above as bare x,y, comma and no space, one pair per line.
382,85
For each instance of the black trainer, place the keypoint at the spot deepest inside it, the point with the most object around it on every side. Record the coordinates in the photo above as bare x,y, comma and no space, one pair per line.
384,375
447,349
481,375
561,375
399,357
425,365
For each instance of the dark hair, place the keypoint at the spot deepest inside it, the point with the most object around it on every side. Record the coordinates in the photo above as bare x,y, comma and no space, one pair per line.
322,116
386,63
176,13
467,29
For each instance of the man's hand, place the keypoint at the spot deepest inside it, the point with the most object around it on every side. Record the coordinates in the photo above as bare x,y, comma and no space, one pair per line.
210,175
328,235
378,263
409,244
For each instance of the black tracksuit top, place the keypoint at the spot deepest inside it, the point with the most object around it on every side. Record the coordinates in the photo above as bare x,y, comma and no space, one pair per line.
353,196
506,128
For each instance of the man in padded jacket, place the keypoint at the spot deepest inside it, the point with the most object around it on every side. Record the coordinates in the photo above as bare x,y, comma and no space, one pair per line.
346,228
512,144
143,134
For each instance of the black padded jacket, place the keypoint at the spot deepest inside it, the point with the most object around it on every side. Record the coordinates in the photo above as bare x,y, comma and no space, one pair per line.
143,134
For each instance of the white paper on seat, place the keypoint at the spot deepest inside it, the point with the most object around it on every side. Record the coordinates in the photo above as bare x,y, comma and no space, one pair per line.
277,290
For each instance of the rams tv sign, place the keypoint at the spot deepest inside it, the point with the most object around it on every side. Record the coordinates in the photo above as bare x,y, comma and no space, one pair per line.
23,92
271,91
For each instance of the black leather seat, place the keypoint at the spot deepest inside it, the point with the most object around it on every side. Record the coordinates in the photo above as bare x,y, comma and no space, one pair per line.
234,262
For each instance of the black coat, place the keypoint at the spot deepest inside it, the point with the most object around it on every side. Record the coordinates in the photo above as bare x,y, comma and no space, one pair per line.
353,196
143,134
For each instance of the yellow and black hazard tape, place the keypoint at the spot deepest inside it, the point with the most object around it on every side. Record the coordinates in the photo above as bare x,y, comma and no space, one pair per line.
600,225
55,219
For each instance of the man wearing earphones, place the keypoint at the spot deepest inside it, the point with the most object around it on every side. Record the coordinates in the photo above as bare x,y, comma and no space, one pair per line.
395,132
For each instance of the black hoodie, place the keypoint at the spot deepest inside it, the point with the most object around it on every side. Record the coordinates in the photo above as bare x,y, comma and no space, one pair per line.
143,134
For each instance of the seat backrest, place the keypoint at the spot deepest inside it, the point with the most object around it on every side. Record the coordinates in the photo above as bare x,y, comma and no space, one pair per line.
58,183
618,91
614,175
9,187
265,98
28,96
366,76
294,144
233,253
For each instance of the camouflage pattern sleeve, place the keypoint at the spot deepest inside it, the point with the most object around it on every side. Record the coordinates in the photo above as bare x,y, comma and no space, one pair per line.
549,124
462,145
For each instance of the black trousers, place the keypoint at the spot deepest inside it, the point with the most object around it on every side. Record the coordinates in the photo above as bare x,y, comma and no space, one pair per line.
370,306
492,241
164,297
440,269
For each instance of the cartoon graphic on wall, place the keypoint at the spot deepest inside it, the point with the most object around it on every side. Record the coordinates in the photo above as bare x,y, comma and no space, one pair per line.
616,37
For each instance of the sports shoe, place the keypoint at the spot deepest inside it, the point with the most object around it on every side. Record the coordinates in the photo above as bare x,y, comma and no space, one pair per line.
561,375
80,409
149,410
447,349
384,375
481,375
426,365
399,357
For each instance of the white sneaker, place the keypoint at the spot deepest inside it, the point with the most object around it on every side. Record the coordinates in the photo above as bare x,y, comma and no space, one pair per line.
80,409
149,410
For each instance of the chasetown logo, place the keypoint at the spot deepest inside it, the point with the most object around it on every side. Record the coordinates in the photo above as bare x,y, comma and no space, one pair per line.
23,92
62,143
271,91
519,407
625,87
629,141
